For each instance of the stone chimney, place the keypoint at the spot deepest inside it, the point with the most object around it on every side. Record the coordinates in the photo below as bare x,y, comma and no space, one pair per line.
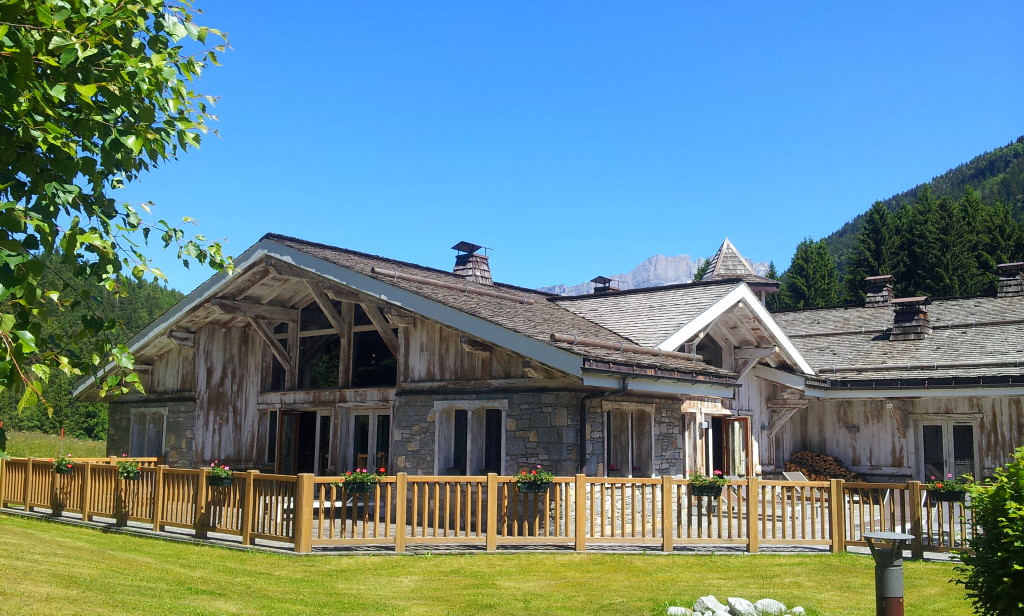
911,318
879,291
603,284
1011,279
470,265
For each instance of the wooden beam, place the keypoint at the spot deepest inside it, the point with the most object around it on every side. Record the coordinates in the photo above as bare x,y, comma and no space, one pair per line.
328,308
383,327
262,311
780,419
275,347
755,353
399,318
181,338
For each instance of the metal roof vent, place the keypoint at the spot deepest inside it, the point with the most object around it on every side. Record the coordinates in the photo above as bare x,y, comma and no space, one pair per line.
603,284
471,265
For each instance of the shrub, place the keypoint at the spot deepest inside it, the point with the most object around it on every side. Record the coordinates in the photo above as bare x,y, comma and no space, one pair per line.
994,573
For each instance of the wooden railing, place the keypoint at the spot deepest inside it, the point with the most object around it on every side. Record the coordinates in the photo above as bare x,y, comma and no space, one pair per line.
487,511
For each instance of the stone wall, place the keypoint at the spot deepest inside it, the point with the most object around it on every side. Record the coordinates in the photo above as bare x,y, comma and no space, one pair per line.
179,430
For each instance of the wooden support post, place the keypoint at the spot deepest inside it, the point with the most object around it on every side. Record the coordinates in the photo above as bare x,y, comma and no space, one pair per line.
200,505
291,376
401,502
158,498
492,512
580,513
753,507
667,510
3,482
248,507
86,492
837,515
304,513
916,521
26,506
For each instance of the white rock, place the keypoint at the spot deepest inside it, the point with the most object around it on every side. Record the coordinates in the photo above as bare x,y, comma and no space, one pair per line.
797,611
676,610
709,604
741,607
769,607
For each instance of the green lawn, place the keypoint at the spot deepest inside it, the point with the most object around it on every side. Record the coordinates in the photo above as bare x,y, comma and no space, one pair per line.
39,445
52,568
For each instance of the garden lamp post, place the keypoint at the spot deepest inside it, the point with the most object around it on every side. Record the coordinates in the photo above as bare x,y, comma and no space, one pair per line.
888,571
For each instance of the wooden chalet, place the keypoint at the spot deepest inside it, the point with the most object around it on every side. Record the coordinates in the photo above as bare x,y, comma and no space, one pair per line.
317,359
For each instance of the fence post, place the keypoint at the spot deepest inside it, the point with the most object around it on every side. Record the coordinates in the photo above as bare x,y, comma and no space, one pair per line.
248,505
3,482
753,507
158,498
86,492
837,513
25,488
304,513
200,504
916,522
667,511
580,513
492,512
401,502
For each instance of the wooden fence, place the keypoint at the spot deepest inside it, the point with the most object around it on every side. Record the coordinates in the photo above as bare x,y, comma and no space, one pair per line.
487,512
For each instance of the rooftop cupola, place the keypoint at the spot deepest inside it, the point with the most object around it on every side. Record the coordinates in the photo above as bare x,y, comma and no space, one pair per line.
1011,280
470,264
910,321
729,264
603,284
879,291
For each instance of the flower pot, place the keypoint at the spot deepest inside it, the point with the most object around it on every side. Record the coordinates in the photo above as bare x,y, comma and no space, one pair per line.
533,486
948,496
714,491
63,471
218,482
359,487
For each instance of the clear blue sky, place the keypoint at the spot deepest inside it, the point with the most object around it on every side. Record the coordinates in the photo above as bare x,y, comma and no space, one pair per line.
579,138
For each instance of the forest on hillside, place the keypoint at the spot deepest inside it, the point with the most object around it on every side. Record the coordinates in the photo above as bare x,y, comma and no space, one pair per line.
941,239
125,311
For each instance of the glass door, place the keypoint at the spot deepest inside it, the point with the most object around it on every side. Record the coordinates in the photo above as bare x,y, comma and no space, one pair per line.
947,448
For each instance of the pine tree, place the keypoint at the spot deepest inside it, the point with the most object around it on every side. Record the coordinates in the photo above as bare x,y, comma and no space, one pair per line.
701,270
812,279
875,251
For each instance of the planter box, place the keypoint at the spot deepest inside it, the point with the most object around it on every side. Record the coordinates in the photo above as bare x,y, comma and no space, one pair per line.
359,487
714,491
533,487
953,496
219,482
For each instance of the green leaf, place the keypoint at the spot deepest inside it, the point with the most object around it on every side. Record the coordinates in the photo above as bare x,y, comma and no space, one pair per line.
86,90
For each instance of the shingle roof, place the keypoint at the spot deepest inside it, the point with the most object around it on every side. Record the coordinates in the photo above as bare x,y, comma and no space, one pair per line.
648,317
974,330
537,321
729,264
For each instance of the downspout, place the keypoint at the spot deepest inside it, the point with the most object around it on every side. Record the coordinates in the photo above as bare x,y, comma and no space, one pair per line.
583,418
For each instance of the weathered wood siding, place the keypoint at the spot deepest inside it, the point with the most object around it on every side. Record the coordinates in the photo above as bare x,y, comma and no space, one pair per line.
431,352
866,434
173,371
227,378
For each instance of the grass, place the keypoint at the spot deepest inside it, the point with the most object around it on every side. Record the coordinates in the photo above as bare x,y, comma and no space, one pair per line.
39,445
60,569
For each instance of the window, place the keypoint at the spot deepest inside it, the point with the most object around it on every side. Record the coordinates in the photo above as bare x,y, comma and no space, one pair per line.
147,432
628,443
946,446
470,437
371,439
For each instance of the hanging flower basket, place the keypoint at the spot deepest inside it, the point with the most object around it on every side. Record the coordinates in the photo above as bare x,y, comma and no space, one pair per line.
218,482
359,487
129,476
534,487
63,471
948,496
714,491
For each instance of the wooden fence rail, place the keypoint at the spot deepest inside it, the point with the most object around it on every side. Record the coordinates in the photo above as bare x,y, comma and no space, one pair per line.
487,511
